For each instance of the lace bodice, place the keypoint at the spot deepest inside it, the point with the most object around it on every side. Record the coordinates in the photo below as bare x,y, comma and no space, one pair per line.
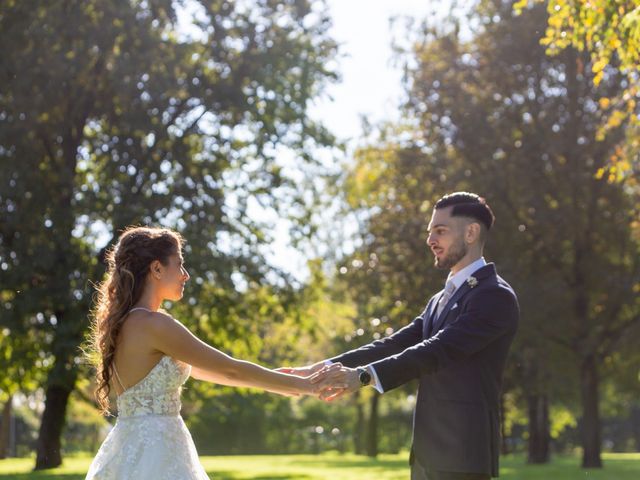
150,439
156,394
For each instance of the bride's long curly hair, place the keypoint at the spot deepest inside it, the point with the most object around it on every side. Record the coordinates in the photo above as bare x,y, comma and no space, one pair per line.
128,264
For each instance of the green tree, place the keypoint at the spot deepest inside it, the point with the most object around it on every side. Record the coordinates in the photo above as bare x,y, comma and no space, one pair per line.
114,114
489,111
609,30
387,276
525,127
20,361
275,327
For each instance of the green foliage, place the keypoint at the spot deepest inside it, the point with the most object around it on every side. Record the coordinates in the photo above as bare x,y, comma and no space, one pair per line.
385,275
609,30
17,360
524,132
276,329
116,114
491,112
561,418
85,428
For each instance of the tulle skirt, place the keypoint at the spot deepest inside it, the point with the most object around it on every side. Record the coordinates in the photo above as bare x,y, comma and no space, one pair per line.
148,447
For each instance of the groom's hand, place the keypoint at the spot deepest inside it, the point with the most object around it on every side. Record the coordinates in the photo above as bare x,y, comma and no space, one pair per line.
334,382
302,371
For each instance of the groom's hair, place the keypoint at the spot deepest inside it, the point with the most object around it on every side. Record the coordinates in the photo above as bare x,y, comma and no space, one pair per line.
469,205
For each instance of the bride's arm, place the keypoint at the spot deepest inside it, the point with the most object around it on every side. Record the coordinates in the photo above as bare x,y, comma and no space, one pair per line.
170,337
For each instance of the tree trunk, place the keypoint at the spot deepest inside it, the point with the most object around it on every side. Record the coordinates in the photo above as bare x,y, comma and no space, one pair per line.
5,431
539,434
590,413
48,453
372,432
61,382
634,420
360,426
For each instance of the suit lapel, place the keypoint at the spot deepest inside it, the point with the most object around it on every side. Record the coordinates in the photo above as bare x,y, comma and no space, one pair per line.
431,312
479,274
464,288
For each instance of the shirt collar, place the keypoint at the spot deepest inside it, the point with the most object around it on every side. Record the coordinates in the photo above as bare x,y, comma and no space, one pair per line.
459,278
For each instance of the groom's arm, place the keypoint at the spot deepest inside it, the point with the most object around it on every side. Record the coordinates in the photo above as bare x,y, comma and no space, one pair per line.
391,345
486,318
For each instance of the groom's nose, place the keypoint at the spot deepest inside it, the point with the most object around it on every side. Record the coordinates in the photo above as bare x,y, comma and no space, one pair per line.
430,241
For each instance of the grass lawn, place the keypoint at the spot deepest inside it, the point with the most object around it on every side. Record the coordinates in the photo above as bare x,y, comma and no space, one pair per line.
624,466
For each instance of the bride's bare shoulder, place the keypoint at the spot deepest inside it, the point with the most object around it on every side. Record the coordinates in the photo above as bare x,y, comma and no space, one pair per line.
161,323
146,320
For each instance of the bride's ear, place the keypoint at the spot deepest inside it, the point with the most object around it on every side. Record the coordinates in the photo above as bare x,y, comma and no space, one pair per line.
155,269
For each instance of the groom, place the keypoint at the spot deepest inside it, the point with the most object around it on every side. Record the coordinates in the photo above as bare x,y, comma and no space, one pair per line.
457,348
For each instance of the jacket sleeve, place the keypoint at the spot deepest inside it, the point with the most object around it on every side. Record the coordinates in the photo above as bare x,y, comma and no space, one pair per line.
391,345
487,317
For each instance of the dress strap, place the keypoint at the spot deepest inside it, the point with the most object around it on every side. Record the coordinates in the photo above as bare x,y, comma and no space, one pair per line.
115,370
139,308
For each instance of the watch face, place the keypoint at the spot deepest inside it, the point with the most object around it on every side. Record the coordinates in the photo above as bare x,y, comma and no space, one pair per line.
365,377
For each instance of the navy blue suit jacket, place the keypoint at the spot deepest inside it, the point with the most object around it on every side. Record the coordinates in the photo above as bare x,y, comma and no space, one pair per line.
459,360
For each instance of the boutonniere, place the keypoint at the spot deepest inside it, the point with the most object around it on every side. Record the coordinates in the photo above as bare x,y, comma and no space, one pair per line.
472,281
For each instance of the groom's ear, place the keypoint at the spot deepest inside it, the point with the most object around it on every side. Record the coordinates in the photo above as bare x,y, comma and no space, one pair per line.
473,233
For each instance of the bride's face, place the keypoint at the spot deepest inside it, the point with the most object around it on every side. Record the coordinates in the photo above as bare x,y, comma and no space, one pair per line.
172,278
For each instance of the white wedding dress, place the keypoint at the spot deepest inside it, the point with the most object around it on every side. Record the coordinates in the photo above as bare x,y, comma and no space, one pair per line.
150,441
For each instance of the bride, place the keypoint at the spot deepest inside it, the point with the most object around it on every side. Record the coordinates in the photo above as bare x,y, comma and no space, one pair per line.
145,356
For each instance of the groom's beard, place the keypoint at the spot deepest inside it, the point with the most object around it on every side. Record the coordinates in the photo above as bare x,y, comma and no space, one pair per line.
457,251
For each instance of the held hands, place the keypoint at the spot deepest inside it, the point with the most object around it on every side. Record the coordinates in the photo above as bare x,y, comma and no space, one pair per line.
327,382
307,385
335,381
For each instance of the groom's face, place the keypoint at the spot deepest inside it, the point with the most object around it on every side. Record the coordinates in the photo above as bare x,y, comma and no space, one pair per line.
446,238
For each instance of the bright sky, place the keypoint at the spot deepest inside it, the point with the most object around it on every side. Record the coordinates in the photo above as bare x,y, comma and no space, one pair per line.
370,85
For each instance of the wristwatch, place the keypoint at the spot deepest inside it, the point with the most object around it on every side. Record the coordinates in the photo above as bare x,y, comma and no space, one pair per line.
364,376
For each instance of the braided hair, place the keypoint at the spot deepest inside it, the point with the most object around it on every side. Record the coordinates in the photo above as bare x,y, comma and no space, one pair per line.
128,264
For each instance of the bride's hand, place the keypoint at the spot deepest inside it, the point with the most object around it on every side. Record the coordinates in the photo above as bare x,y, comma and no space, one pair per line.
314,385
302,371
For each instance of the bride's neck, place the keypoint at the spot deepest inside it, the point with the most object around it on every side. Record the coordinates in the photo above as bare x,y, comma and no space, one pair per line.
150,299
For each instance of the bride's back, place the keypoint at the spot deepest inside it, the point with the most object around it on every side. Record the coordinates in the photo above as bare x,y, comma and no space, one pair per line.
134,356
